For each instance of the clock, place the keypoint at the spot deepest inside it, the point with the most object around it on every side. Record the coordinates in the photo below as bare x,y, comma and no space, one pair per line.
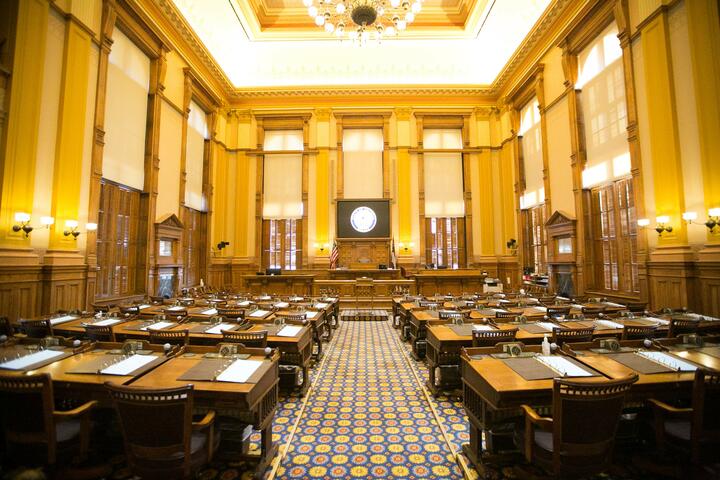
363,219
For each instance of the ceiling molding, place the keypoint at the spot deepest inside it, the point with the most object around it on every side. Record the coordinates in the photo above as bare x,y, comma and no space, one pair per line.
385,90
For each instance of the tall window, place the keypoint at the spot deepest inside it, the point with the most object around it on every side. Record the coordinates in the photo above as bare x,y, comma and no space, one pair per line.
282,244
117,236
444,198
282,199
531,144
445,242
535,239
613,229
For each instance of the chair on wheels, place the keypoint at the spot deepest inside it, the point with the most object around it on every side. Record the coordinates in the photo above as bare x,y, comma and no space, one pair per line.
490,338
100,333
161,439
564,444
231,313
638,332
249,339
682,326
36,328
696,427
30,421
173,337
572,335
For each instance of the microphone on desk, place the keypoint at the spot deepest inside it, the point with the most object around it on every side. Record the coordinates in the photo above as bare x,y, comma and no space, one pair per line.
167,347
268,352
76,343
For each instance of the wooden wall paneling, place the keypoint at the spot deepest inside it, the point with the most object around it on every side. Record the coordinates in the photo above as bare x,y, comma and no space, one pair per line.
63,287
671,285
20,291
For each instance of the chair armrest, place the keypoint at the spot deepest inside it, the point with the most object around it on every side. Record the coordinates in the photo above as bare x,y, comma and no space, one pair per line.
664,408
75,412
205,422
532,416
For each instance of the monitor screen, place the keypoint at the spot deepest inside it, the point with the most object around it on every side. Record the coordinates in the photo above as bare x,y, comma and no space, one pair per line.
363,218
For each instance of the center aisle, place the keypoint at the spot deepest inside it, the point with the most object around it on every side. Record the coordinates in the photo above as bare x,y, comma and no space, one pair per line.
367,416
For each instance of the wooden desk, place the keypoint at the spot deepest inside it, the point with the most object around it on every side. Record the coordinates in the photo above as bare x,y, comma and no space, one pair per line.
354,273
456,282
252,403
284,284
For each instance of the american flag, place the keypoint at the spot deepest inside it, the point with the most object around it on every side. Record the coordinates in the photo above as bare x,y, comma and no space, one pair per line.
334,256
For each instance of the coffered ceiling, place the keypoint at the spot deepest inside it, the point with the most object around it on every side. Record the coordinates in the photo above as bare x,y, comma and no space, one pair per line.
275,43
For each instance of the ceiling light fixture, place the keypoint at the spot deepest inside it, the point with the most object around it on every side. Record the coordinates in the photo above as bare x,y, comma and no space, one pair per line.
363,20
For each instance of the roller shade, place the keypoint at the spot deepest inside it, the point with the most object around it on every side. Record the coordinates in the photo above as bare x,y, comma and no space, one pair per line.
442,138
279,140
282,186
531,133
444,185
604,109
362,163
197,133
128,81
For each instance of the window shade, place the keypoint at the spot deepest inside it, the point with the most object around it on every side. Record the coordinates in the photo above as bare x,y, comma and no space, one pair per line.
195,157
532,155
128,81
444,185
604,109
362,163
279,140
282,186
439,138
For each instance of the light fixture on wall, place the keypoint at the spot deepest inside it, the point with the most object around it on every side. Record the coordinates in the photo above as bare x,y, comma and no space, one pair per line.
406,246
322,246
662,224
512,245
643,222
713,219
362,20
222,244
23,223
71,228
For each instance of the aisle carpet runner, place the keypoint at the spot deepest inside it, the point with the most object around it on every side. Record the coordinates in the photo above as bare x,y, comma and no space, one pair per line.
367,416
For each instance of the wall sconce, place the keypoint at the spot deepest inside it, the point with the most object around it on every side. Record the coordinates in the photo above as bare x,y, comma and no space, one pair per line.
511,244
222,244
23,223
406,247
713,218
643,222
662,224
71,228
322,246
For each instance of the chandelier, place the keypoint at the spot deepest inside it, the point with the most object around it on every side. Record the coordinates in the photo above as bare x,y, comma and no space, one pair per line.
362,20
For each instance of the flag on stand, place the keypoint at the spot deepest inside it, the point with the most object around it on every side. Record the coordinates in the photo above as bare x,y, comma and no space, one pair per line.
393,257
334,255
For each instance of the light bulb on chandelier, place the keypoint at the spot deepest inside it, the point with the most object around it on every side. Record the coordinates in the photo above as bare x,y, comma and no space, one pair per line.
361,20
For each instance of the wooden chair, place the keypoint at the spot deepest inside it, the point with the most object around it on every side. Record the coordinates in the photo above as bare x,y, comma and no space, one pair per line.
157,300
36,328
30,421
578,440
638,332
293,318
592,312
6,327
97,308
173,337
507,315
636,307
557,310
161,440
234,313
450,315
696,427
249,339
549,300
681,326
100,333
490,338
572,335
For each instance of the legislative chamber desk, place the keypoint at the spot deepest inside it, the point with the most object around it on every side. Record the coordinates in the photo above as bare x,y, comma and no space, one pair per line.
456,282
283,284
493,391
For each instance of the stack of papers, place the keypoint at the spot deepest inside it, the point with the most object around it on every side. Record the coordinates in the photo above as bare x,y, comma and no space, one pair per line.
239,371
540,309
144,305
281,305
259,313
129,365
217,329
158,326
175,308
547,325
321,305
669,361
296,299
37,357
289,331
105,323
330,299
563,366
63,319
483,327
244,304
609,324
311,314
210,311
611,304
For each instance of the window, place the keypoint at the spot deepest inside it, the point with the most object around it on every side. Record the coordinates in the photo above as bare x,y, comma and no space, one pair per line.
195,249
282,241
535,239
117,240
613,232
445,239
531,145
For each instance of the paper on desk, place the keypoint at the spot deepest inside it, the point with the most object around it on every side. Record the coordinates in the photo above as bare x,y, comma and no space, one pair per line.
281,305
129,365
547,325
321,305
289,331
311,314
609,323
611,304
259,313
105,323
296,299
330,299
27,360
144,305
577,305
564,366
265,297
175,308
244,304
540,309
483,327
217,329
209,311
63,319
668,361
239,371
158,326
